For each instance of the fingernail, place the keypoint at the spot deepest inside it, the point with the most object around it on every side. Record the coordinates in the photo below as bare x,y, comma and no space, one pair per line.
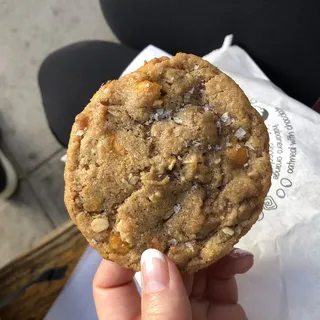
238,253
154,270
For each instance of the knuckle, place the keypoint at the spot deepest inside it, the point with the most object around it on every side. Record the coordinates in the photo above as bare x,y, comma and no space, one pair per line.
155,299
155,309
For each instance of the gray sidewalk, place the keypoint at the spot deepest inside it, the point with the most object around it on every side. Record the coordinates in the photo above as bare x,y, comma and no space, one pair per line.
29,31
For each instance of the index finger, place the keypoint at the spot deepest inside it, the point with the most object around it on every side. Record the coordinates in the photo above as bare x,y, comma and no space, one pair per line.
115,293
237,261
221,283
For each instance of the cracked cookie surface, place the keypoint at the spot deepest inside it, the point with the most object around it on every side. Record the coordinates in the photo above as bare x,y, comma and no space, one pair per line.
172,157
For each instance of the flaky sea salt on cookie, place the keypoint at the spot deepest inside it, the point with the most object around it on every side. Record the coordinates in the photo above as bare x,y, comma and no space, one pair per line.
172,157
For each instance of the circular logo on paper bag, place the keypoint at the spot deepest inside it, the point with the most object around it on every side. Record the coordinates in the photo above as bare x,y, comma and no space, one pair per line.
269,204
263,112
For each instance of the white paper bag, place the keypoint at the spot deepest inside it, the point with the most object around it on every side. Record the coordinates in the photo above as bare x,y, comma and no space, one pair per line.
284,283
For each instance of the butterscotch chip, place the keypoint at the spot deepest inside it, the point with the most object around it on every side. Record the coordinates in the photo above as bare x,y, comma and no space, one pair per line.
171,156
237,155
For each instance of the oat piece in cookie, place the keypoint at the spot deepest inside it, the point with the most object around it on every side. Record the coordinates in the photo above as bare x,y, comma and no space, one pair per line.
172,157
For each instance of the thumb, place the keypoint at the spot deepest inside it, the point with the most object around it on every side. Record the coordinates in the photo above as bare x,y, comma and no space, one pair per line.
163,293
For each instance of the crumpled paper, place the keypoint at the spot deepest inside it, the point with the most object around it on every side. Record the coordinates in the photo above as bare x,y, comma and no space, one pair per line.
284,283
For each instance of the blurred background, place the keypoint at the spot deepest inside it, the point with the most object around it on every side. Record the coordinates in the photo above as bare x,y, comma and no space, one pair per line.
29,31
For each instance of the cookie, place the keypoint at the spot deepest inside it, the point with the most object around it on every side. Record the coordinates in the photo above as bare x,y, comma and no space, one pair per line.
172,157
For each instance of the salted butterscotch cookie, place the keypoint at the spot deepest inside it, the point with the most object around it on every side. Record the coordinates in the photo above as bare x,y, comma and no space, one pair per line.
172,157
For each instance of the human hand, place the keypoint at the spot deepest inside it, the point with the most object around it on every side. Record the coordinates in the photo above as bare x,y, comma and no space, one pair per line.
210,293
